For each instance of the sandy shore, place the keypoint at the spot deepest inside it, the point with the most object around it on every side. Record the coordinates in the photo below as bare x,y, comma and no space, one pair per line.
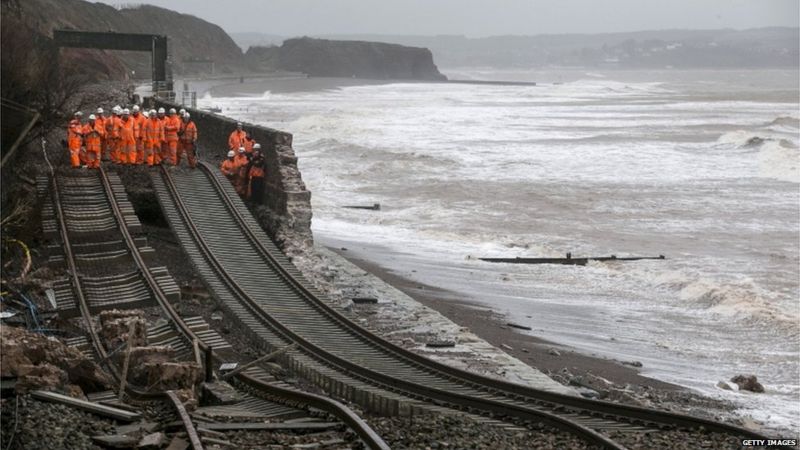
549,357
588,375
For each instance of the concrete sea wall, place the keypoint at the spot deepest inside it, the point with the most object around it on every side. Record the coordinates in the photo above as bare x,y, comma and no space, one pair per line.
286,212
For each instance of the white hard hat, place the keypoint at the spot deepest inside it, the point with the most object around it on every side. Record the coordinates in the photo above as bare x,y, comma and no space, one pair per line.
78,113
99,110
231,154
186,115
182,111
241,149
161,110
92,117
126,111
152,112
238,124
117,108
145,114
256,146
135,108
172,110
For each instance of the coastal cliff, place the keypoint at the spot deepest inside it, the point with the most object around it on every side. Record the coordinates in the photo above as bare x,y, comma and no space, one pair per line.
347,59
192,42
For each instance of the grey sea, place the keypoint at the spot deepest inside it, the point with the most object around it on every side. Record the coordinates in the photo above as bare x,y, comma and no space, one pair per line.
701,166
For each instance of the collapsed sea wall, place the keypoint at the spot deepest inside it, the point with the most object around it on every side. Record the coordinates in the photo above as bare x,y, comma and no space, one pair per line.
286,212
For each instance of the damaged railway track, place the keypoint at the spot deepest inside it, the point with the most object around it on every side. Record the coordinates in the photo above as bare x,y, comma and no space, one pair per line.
108,269
271,301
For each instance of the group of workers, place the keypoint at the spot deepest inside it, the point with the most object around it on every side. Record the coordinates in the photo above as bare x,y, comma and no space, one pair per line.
155,137
132,136
245,165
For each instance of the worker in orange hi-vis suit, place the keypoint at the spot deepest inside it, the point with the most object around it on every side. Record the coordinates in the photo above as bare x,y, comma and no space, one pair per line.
248,144
172,124
75,139
242,168
152,135
112,134
127,138
94,133
139,118
163,149
188,141
236,139
100,120
229,169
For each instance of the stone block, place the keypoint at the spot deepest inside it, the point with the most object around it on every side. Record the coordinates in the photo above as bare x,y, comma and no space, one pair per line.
219,393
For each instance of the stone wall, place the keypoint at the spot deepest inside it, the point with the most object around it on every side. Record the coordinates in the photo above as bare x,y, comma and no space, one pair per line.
286,213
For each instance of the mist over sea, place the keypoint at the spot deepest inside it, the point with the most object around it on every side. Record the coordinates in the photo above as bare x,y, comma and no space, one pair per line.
701,166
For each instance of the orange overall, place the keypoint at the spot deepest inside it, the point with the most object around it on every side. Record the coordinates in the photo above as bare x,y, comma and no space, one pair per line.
240,180
93,135
187,144
112,135
126,152
152,135
230,170
163,147
236,140
172,125
74,141
248,145
140,120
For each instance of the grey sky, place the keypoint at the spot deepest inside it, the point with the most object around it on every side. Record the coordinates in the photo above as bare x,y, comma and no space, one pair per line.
483,17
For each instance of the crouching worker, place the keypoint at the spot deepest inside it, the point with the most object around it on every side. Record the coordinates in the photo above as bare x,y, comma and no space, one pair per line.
229,168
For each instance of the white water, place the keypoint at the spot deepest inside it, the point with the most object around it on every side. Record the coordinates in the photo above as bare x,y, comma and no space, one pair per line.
699,166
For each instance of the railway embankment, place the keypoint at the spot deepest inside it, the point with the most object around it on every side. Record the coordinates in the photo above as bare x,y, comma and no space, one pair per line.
286,212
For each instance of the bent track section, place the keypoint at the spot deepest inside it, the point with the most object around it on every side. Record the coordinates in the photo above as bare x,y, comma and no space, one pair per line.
104,194
272,301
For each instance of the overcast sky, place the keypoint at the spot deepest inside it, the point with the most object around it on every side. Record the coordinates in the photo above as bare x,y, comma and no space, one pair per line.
476,18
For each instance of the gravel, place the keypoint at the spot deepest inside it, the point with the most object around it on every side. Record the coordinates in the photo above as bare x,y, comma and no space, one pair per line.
460,432
32,425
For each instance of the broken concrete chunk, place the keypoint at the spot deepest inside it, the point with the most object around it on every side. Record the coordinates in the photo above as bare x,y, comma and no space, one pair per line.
219,393
115,324
152,441
178,444
172,375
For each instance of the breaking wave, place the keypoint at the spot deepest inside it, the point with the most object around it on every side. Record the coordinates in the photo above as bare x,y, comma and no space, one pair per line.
786,121
779,161
740,300
748,139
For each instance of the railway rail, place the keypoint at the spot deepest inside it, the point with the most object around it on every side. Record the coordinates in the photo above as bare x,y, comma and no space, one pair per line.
271,301
92,208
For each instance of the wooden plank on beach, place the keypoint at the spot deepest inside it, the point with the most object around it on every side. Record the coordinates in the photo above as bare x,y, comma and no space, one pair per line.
96,408
569,260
